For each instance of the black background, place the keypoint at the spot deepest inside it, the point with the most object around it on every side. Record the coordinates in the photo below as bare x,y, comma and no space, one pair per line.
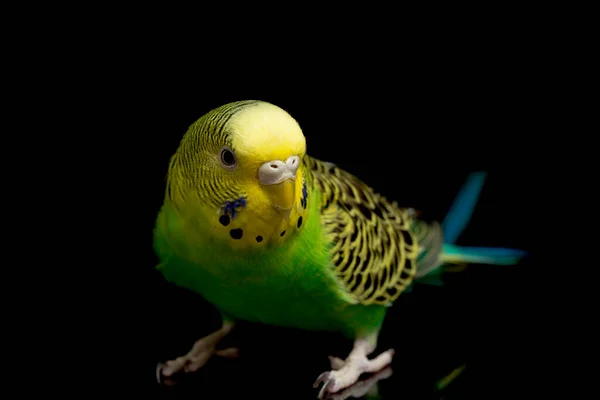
410,106
414,138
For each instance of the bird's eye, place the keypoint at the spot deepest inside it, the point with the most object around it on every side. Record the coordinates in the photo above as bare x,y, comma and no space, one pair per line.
227,158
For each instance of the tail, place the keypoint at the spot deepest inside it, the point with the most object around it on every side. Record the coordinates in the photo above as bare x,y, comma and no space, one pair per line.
453,225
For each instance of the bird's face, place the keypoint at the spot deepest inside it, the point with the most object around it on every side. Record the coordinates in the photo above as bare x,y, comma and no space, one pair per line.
267,147
240,166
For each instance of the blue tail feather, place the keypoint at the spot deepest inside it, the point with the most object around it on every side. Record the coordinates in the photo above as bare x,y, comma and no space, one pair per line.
455,222
482,255
462,209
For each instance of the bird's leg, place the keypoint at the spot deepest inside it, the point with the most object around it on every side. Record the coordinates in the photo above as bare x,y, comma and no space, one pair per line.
346,373
200,353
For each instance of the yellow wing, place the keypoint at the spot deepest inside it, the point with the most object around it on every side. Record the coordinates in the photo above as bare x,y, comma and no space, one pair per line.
374,247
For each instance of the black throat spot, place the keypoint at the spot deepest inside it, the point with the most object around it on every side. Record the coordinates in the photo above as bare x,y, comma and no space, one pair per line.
237,233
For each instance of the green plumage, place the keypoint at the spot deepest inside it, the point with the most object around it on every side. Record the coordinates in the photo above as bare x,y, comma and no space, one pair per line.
347,253
287,285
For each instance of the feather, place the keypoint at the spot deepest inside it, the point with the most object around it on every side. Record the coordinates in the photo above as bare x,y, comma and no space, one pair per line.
461,210
373,250
481,255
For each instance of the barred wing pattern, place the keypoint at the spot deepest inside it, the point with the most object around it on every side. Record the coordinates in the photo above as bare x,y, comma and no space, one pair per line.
374,248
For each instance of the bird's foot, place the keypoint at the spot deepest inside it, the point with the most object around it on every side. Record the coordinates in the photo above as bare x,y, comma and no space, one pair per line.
199,355
346,373
366,388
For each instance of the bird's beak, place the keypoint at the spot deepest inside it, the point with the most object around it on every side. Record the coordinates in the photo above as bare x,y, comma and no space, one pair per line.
282,194
278,179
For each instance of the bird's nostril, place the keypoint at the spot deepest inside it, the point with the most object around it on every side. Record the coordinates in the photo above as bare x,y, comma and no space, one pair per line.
274,166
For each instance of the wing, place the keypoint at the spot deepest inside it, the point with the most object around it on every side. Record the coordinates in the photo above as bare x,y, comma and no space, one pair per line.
375,243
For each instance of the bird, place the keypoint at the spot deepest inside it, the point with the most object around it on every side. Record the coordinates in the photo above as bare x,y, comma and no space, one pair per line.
268,234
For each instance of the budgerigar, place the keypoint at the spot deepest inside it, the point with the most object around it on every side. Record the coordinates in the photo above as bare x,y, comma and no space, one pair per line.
269,234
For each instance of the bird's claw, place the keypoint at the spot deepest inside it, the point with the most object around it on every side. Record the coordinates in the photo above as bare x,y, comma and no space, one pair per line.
330,384
159,367
320,379
161,378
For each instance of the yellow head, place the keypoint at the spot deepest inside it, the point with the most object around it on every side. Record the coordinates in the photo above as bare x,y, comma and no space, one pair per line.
240,166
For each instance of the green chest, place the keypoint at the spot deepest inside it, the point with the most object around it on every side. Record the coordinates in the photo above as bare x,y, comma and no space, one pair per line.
292,285
288,287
